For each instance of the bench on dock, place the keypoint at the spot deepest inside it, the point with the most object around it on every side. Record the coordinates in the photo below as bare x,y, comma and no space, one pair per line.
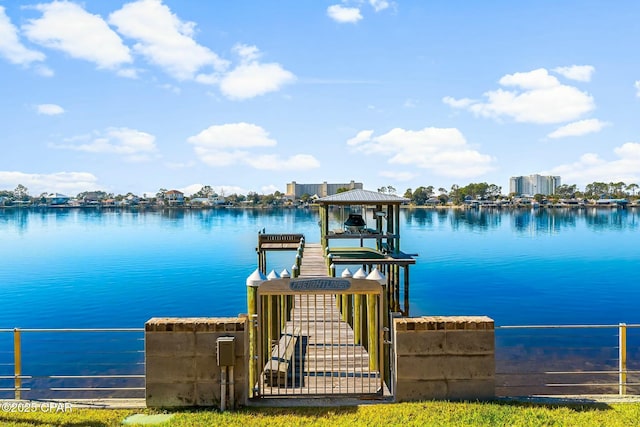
276,369
289,241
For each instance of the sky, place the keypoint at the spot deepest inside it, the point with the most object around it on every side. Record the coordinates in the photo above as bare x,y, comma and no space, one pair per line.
134,96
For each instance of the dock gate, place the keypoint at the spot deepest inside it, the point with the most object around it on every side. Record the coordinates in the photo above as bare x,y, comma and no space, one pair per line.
319,337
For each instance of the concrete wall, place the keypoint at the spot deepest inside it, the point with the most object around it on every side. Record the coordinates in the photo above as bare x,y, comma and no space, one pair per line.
181,360
444,358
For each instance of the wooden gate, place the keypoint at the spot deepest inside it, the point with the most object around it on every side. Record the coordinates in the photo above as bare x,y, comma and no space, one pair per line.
318,336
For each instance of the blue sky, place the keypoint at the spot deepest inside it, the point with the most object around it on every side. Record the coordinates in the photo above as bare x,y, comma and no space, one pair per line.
249,95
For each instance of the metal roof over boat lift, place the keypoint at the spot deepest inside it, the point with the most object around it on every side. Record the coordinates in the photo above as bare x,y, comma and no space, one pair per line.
362,197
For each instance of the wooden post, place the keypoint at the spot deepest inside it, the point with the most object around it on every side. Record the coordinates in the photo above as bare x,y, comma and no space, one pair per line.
391,243
386,335
397,227
364,323
253,282
344,309
406,291
622,366
357,319
283,311
17,363
269,338
372,332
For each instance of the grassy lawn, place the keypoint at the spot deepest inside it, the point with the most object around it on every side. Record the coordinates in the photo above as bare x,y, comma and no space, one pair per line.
405,414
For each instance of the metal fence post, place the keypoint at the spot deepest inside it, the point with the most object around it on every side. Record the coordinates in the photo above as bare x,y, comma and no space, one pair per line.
622,367
17,363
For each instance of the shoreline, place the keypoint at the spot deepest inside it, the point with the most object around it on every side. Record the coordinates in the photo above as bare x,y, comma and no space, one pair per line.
311,207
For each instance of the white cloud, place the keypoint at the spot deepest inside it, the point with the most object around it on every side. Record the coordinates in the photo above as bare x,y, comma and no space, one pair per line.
362,136
537,98
344,14
379,5
458,103
637,86
49,109
10,45
252,78
163,39
581,73
579,128
536,79
190,189
247,53
134,145
591,168
228,144
233,135
444,151
68,183
68,27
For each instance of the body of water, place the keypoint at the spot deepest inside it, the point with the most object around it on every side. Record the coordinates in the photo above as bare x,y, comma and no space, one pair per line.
78,268
75,268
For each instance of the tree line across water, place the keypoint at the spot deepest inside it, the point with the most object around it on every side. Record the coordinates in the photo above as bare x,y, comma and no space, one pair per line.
422,195
457,195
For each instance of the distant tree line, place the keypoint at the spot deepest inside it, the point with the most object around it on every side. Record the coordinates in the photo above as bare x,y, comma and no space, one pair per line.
423,195
457,195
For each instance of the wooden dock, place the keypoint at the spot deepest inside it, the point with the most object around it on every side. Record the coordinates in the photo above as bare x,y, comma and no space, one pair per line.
326,360
313,262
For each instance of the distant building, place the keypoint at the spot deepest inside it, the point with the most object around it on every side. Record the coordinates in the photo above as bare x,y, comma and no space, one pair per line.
321,190
174,197
57,199
534,184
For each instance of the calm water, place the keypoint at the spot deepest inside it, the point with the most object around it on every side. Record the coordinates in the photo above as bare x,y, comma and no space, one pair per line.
85,268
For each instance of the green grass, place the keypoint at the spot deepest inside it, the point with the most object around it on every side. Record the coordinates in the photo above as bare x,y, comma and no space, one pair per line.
403,414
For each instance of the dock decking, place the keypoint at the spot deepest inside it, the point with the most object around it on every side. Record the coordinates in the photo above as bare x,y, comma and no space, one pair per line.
313,262
327,360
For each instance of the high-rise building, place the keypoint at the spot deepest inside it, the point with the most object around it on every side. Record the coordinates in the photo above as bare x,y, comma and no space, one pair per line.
533,184
321,190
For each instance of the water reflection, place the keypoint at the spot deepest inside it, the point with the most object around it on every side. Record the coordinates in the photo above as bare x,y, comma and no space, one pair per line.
526,221
612,219
522,221
476,219
421,217
544,221
14,218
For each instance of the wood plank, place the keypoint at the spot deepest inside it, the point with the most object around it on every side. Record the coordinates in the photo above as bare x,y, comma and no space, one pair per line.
313,261
275,370
326,359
